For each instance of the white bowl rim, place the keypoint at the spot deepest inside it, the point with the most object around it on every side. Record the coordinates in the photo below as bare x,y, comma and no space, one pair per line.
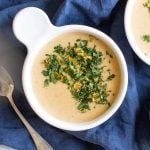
80,126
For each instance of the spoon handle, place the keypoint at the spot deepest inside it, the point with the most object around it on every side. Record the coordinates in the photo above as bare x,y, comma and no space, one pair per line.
40,143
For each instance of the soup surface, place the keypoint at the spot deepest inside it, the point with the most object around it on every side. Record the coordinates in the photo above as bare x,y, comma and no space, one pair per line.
56,98
141,25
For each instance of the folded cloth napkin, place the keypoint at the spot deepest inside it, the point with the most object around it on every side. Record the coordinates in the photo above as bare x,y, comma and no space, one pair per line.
127,129
3,147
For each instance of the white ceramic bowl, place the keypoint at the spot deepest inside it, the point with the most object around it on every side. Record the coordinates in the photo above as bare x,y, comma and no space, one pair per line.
129,33
33,28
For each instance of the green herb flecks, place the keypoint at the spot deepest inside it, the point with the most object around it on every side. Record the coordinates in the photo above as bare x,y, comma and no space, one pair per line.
111,77
146,38
80,68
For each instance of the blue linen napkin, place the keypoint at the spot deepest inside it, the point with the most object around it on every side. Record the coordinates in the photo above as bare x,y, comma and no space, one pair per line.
127,129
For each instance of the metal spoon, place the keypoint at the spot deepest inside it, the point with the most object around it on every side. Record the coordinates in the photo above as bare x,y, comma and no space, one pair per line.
6,89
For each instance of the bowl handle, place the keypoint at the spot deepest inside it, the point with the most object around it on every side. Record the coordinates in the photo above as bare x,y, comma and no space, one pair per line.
30,24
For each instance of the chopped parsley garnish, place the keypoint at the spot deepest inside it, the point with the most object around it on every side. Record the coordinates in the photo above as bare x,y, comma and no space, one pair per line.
146,38
80,68
111,77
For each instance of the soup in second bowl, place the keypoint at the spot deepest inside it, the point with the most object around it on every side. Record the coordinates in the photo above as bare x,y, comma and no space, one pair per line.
76,77
141,25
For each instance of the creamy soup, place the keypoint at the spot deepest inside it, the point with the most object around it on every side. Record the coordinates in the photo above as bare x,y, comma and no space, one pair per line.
56,99
141,25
